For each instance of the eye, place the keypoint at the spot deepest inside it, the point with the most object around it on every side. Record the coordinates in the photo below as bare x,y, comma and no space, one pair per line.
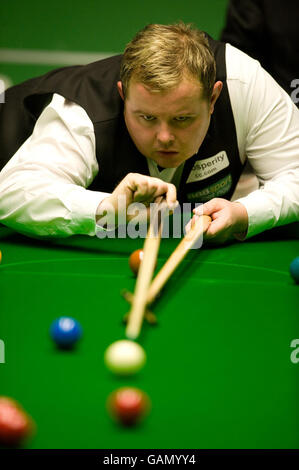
147,118
182,118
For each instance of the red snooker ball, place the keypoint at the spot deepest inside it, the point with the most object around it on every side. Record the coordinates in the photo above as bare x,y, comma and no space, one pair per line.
15,424
128,405
135,260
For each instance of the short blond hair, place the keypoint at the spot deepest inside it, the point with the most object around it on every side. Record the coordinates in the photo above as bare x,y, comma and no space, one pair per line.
160,56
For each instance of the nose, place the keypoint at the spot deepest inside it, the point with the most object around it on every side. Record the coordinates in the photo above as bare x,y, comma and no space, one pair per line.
165,136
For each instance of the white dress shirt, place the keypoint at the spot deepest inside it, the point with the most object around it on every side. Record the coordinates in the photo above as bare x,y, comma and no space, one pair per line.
43,187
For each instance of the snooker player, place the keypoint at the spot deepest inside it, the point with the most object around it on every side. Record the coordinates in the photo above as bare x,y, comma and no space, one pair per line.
177,114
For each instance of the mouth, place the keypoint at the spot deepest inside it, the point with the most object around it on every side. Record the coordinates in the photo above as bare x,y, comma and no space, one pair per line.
167,153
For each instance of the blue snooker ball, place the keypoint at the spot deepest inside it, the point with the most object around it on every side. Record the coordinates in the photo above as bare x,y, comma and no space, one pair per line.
294,269
65,331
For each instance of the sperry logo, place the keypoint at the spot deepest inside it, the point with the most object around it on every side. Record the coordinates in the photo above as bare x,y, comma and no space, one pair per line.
203,169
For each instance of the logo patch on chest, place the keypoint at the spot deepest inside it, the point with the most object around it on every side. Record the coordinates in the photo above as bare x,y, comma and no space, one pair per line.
203,169
217,189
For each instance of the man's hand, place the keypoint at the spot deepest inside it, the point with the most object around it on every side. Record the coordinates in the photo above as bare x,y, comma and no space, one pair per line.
138,188
229,220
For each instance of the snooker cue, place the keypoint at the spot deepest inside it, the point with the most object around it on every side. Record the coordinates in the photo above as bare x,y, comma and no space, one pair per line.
198,229
145,272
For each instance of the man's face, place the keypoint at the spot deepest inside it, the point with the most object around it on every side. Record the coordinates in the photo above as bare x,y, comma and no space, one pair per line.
169,126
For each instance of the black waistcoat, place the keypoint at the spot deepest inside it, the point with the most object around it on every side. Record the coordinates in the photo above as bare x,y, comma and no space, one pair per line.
213,172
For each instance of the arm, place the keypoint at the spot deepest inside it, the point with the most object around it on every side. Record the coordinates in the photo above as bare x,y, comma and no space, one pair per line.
267,125
268,135
43,186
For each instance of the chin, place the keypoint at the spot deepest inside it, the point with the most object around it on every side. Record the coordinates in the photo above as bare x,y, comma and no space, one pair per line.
171,163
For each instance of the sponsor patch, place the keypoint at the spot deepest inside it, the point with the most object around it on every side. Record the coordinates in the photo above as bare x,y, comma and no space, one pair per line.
203,169
217,189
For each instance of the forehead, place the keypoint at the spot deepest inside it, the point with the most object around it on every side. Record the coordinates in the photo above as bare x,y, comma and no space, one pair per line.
186,97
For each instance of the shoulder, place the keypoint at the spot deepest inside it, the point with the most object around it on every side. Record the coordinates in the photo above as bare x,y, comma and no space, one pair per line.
249,82
240,66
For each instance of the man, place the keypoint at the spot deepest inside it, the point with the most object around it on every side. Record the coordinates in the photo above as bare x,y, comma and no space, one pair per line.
178,113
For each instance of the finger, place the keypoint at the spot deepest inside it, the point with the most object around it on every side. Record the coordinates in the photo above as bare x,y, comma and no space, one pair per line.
216,228
146,187
206,209
167,189
141,188
138,184
198,210
212,206
144,191
130,182
171,196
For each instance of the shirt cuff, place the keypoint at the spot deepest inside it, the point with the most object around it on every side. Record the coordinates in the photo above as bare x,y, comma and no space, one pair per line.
260,215
83,208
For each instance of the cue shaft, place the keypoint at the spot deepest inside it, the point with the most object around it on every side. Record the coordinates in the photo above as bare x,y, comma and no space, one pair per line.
198,229
145,272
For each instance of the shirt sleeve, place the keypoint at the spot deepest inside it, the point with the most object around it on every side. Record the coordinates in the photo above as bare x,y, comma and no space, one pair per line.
43,186
267,125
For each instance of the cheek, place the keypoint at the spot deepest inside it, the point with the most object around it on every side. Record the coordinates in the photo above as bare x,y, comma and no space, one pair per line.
200,132
140,136
194,137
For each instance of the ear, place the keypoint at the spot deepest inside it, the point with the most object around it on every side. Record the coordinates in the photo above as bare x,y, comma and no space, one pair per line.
215,94
120,90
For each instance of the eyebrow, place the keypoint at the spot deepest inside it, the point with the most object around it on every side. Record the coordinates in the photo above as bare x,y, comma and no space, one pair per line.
139,111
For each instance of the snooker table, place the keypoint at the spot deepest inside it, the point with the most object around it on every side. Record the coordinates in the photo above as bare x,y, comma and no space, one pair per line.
219,371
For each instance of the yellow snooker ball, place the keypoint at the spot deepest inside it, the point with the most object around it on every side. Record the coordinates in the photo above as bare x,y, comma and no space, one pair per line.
124,357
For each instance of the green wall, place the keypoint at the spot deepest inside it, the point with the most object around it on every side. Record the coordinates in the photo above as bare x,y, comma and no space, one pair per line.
90,26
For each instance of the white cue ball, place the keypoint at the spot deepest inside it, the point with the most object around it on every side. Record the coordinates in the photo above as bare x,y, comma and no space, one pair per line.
124,357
